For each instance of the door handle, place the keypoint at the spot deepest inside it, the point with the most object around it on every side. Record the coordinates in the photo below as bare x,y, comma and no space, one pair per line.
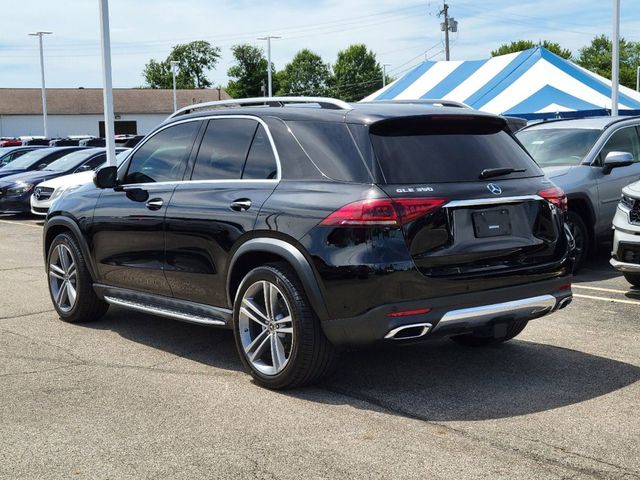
155,204
241,205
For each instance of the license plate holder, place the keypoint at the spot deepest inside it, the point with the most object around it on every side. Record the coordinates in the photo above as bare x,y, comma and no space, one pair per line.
495,222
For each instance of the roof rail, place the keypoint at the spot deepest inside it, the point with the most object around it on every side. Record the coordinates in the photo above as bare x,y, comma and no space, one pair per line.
323,102
437,102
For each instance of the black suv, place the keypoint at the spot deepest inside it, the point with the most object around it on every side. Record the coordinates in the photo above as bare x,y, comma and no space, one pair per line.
311,225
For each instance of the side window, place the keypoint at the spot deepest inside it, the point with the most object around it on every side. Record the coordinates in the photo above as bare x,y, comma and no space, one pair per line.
163,157
624,140
95,162
261,162
224,149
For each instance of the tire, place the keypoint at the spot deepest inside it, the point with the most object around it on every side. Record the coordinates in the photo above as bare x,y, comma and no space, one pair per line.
482,339
310,354
632,278
581,236
67,266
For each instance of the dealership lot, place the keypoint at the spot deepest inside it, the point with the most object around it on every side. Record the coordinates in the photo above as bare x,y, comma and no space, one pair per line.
135,396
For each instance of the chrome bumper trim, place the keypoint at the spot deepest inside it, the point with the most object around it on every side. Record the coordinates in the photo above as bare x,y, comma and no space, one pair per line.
491,201
532,307
625,267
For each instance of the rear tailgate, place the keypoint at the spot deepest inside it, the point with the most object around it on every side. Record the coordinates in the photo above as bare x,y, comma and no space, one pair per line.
489,232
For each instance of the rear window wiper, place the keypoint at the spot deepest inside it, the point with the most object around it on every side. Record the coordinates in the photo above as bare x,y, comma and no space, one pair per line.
498,172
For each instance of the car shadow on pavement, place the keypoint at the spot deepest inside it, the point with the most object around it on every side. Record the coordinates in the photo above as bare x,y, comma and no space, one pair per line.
442,381
437,381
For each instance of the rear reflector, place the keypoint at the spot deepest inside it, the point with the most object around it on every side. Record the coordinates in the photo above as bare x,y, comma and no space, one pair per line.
408,313
556,196
382,212
565,287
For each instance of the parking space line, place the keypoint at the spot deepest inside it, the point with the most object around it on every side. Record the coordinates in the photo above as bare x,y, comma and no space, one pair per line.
591,297
21,223
599,289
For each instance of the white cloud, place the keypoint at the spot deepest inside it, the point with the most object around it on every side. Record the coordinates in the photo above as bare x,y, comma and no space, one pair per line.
145,29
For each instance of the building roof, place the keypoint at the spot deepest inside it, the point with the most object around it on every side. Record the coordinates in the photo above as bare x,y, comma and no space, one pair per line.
77,101
533,83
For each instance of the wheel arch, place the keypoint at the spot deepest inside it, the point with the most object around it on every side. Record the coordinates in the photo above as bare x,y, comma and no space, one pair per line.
259,251
582,206
55,226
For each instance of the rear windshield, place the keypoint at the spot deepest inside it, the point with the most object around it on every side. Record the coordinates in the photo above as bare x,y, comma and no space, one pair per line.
447,149
558,146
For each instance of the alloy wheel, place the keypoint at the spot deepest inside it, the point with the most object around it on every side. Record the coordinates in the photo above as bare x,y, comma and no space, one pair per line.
63,278
266,327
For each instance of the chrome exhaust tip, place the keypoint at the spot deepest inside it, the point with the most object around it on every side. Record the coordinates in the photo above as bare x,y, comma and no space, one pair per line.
564,302
406,332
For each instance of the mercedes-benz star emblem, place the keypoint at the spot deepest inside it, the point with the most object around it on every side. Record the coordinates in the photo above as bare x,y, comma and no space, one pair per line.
495,189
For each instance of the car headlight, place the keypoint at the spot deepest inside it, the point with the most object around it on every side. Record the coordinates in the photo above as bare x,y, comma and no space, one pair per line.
19,188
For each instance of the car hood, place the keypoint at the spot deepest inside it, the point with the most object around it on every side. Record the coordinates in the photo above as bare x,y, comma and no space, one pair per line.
5,172
29,177
69,180
633,189
558,171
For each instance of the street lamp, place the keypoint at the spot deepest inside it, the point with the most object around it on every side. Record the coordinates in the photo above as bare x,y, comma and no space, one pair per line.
107,86
615,58
174,65
268,39
44,91
384,74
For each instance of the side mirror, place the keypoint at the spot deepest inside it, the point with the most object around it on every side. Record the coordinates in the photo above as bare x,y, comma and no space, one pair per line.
616,160
41,166
106,177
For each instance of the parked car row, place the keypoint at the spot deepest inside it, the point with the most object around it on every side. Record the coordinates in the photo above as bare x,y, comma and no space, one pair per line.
20,177
127,141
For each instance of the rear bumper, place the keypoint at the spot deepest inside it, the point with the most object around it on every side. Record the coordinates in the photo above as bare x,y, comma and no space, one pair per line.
450,315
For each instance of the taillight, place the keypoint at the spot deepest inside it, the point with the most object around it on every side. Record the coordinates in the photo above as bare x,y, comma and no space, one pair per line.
556,196
381,212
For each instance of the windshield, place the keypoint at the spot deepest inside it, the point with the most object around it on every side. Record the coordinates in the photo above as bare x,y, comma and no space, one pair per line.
558,146
30,158
70,161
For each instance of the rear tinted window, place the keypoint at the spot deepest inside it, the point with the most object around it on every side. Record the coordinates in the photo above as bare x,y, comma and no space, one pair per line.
224,149
454,149
261,162
331,148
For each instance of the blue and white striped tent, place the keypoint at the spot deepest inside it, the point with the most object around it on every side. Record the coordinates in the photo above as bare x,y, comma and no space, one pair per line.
534,83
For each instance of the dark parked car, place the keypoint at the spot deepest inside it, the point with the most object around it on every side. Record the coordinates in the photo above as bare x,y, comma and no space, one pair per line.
9,154
37,159
16,189
309,230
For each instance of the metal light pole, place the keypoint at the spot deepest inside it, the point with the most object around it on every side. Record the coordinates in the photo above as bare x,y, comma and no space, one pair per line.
44,90
174,64
384,74
107,87
615,58
268,39
638,80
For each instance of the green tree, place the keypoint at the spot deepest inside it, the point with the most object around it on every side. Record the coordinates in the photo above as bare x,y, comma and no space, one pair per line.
357,73
520,45
249,72
596,57
194,60
307,74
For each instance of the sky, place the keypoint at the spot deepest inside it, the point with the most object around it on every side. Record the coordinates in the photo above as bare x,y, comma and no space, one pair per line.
401,33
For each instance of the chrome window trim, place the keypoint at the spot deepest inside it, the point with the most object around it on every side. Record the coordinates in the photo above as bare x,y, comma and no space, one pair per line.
127,161
490,201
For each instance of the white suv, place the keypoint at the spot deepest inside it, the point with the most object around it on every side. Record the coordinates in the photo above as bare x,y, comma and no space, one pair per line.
626,239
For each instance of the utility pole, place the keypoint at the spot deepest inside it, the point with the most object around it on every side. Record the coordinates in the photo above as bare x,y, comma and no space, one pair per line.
107,87
615,58
384,74
44,90
449,25
268,39
174,65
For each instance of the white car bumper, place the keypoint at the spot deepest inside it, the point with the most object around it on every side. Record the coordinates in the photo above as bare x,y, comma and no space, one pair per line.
40,207
626,243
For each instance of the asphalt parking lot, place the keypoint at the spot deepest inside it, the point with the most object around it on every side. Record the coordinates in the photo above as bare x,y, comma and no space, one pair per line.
136,396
